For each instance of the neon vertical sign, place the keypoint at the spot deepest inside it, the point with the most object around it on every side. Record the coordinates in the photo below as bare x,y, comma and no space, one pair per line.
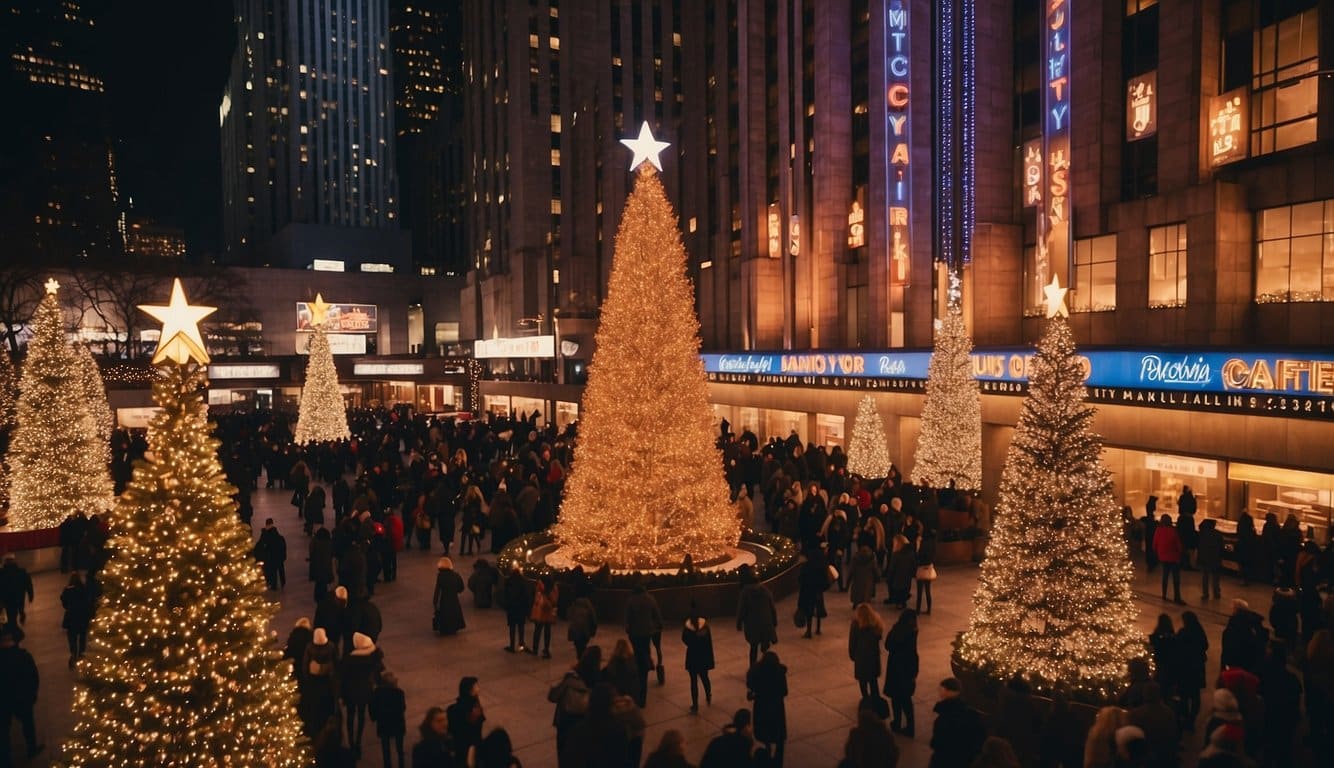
898,135
1057,232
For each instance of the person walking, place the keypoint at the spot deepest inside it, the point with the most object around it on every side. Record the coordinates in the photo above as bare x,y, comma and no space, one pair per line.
581,620
321,570
956,738
318,682
1209,558
732,748
1187,505
698,640
756,615
870,744
448,616
313,510
901,669
622,671
271,552
864,649
570,696
466,717
18,694
16,592
1167,548
1162,643
1192,651
901,572
388,708
863,574
433,749
546,594
813,580
926,568
77,601
517,605
643,620
766,686
671,750
361,667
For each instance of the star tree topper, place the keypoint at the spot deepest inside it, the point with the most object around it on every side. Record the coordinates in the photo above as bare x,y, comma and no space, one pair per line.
52,286
646,148
1056,298
180,340
319,310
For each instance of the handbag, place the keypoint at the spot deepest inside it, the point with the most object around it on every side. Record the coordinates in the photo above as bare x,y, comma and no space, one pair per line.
799,618
926,572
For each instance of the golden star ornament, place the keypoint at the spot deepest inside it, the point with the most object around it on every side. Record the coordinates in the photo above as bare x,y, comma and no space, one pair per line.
646,148
319,310
1055,298
180,341
52,286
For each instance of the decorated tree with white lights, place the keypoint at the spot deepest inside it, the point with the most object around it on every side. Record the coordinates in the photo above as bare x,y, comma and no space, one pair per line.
57,459
1053,602
8,405
646,487
95,394
868,452
180,669
949,447
322,415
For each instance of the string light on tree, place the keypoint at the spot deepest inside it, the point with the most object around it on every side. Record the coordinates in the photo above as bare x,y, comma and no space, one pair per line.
1053,602
646,487
95,393
56,458
868,451
181,670
323,414
949,446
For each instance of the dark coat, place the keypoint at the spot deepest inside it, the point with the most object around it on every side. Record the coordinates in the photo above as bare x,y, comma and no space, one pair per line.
1210,546
730,750
698,639
358,676
862,576
1192,647
388,709
871,747
517,599
78,604
756,614
482,583
448,611
352,571
295,649
331,614
623,674
642,617
19,672
582,619
321,557
362,616
596,742
433,752
958,734
902,665
864,650
271,547
768,683
465,723
902,571
812,581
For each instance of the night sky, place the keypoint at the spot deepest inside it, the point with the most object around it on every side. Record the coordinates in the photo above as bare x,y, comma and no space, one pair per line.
165,63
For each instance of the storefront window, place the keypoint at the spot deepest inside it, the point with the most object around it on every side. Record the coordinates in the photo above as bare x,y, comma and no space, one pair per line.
1295,253
566,413
438,398
525,407
1282,492
828,430
780,424
1167,266
498,405
1137,475
1095,275
1284,99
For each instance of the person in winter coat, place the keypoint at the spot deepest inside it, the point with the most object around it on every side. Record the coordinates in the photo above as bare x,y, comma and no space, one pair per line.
321,562
864,648
599,740
1192,651
313,510
926,568
1017,719
1167,548
643,621
582,624
631,719
354,568
901,668
745,508
448,586
870,744
671,750
1159,724
434,749
734,746
271,552
1187,505
1061,740
766,685
388,708
902,570
1209,557
837,535
1163,645
77,601
543,614
361,667
318,683
483,583
621,670
863,574
570,696
298,640
957,736
18,694
698,640
331,614
466,716
756,615
517,604
813,579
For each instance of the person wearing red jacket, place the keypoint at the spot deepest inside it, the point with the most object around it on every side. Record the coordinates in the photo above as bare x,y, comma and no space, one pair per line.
1167,547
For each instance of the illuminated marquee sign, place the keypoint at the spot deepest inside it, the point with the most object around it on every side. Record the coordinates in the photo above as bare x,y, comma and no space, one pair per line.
1033,173
794,235
244,371
856,226
1056,136
1142,106
897,114
1227,127
345,318
775,232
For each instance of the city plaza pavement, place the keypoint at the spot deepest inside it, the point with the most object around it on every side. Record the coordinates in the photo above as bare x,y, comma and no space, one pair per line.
822,700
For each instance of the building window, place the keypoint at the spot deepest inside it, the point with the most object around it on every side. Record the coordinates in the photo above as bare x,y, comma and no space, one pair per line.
1167,266
1283,108
1295,253
1095,275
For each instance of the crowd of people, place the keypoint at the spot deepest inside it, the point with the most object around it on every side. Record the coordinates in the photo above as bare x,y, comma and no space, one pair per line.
467,489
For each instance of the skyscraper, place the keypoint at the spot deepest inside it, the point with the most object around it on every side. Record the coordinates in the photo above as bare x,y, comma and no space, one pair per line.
307,129
59,200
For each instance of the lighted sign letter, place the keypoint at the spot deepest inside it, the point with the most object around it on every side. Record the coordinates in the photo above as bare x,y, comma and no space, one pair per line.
898,156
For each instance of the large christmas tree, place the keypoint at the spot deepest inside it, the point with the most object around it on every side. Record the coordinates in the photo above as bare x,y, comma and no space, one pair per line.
1053,602
322,415
8,404
949,447
57,459
181,670
647,486
95,394
868,453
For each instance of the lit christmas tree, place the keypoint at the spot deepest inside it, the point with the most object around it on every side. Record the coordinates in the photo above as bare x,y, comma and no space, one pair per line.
57,460
95,394
180,670
323,414
1053,601
868,453
647,486
949,447
8,405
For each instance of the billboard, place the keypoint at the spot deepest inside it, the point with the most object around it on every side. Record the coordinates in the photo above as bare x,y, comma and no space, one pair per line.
342,318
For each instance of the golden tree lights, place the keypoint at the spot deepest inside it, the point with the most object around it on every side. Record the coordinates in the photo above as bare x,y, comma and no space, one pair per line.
868,453
181,671
323,414
647,487
1053,602
57,460
95,394
949,447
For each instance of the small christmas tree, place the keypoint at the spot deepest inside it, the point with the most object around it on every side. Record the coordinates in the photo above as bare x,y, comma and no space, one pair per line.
9,397
646,487
57,459
322,415
868,453
95,394
1053,602
949,447
180,669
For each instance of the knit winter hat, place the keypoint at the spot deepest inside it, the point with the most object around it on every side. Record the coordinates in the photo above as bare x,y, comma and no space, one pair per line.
341,593
320,637
444,563
1225,705
362,645
303,623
